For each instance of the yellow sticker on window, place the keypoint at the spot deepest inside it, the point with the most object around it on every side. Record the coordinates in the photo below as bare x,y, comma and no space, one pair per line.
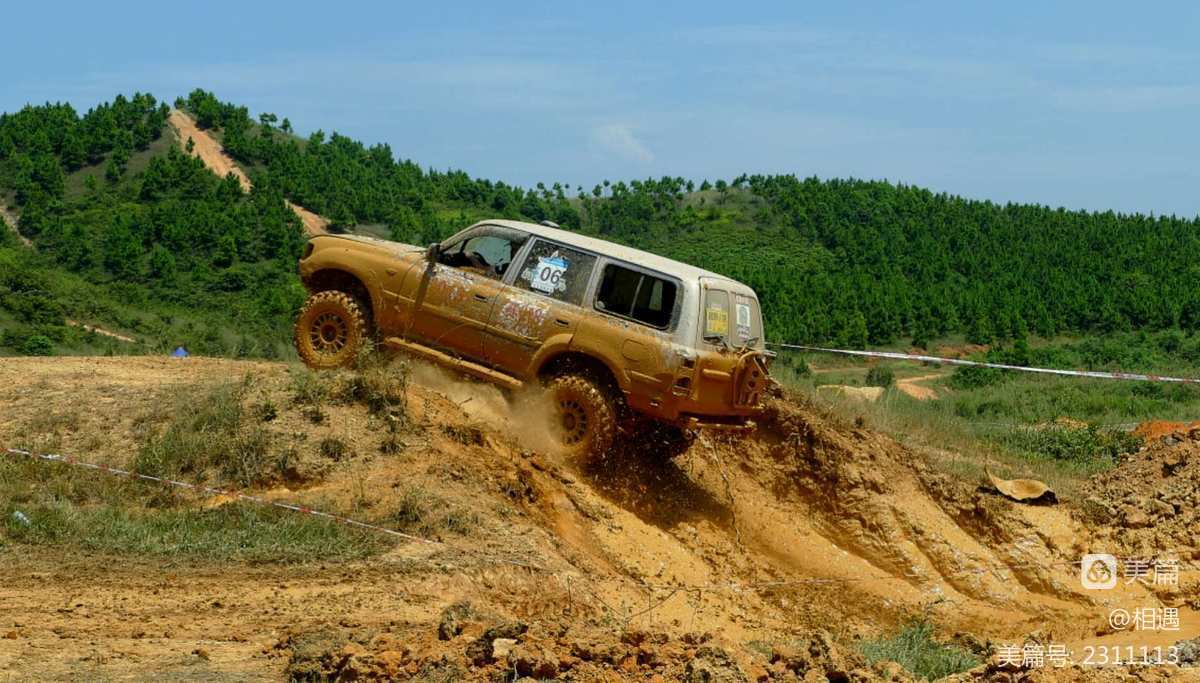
716,320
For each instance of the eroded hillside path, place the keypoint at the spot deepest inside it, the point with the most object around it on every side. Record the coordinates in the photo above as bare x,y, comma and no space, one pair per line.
213,154
10,219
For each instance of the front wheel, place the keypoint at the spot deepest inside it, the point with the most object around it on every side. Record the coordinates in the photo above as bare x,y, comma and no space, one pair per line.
330,331
585,417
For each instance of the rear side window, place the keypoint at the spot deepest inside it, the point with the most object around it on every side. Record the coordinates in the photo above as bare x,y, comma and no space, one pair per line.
734,317
556,271
631,294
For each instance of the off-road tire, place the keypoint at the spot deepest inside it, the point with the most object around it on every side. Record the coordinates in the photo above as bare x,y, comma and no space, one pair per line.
585,417
330,331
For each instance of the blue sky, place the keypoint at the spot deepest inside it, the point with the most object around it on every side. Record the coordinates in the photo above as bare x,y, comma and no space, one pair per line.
1084,105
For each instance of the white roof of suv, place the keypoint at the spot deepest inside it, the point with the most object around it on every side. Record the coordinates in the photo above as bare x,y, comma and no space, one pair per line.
645,259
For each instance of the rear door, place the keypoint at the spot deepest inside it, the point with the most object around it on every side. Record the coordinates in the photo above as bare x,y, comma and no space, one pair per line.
640,309
542,304
729,314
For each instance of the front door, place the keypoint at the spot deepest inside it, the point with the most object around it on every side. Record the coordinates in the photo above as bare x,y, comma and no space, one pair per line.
541,306
455,297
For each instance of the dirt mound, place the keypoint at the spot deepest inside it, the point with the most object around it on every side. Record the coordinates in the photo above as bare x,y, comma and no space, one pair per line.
890,526
1157,430
1149,506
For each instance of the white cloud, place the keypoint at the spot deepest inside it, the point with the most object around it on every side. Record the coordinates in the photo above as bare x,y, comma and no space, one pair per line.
619,139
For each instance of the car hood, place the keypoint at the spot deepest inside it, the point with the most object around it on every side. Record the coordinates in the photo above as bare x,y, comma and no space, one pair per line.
398,247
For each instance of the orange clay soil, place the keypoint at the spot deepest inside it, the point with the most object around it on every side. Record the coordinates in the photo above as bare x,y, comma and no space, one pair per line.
762,557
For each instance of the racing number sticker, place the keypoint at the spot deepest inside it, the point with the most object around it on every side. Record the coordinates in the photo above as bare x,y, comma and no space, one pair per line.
548,275
743,319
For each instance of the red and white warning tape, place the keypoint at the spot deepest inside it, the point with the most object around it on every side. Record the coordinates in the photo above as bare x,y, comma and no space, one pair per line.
1096,374
213,491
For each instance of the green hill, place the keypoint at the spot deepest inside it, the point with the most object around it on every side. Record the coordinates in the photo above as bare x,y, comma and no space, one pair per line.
131,233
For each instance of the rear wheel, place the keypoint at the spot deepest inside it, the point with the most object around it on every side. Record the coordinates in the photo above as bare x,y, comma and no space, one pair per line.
330,331
585,418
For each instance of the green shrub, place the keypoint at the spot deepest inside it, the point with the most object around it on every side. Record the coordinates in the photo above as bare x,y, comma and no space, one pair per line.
975,377
1086,445
880,376
38,345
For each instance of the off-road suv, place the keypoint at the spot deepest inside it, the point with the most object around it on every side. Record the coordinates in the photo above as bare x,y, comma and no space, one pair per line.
625,341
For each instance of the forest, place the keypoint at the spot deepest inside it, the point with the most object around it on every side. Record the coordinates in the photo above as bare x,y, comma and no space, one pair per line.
131,232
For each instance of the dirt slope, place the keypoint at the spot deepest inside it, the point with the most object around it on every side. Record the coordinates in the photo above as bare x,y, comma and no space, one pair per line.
749,559
210,151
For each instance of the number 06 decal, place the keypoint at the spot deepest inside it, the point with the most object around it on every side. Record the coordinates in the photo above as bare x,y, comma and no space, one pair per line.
549,274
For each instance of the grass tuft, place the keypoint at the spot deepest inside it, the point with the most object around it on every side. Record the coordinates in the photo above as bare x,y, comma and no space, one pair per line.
212,433
915,649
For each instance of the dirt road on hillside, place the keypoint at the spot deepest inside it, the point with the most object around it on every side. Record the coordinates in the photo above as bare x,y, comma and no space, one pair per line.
212,153
757,559
9,219
912,387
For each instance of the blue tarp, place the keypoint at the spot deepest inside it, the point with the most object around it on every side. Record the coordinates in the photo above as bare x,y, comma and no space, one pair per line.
180,353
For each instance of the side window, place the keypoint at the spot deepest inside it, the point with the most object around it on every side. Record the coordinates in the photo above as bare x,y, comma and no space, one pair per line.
558,272
631,294
488,253
716,314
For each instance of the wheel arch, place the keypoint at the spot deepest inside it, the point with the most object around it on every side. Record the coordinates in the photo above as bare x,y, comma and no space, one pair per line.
342,280
566,362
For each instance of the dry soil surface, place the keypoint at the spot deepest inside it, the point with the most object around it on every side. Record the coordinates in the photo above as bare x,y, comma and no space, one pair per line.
751,558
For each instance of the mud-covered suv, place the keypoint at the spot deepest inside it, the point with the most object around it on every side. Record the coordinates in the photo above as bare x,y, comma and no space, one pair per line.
625,341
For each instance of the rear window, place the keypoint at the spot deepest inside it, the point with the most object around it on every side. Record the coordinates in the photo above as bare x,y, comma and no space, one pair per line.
631,294
732,317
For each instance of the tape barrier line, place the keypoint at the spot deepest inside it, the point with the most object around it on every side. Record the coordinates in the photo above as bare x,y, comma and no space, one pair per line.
213,491
1095,374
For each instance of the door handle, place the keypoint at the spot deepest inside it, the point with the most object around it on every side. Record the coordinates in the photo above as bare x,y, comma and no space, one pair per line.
481,297
562,323
390,271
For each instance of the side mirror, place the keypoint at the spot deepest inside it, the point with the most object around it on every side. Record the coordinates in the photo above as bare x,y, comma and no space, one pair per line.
433,252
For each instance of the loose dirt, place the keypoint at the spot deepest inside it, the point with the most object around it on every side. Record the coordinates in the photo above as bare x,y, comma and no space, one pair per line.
212,153
752,558
1156,430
